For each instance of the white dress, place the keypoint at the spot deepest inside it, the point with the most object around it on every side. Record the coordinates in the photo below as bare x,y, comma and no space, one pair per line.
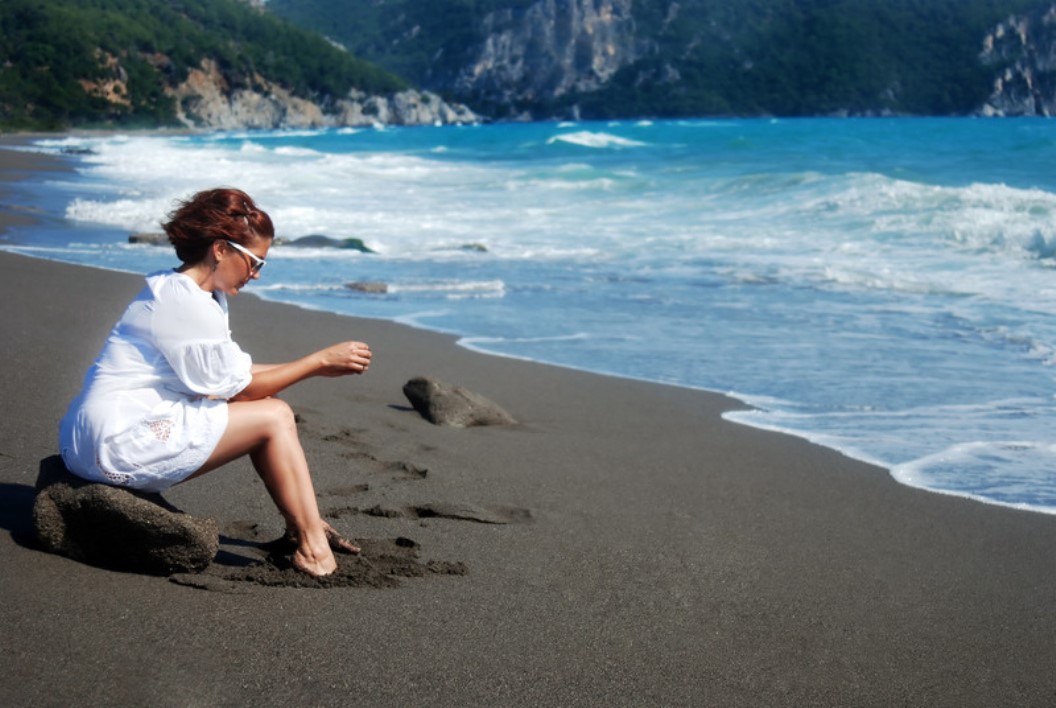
153,408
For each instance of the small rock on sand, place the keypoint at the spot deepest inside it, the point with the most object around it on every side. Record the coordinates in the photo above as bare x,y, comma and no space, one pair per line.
444,404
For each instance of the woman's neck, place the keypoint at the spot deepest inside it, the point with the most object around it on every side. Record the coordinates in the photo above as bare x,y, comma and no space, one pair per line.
201,273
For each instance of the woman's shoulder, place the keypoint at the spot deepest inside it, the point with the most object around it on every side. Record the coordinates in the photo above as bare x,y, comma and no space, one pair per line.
172,281
171,286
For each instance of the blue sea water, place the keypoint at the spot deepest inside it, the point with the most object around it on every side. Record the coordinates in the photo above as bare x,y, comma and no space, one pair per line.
884,287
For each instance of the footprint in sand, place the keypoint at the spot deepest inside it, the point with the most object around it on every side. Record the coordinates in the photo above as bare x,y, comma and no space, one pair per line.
366,460
458,511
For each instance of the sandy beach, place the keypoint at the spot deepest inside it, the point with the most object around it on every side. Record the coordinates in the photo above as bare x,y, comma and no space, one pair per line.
621,545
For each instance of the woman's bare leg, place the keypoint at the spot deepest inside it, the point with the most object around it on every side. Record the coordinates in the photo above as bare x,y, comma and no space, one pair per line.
266,431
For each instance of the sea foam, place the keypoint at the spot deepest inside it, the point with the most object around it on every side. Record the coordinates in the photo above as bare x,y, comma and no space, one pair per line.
873,286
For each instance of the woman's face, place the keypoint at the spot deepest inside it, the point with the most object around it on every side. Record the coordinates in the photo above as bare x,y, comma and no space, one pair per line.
240,264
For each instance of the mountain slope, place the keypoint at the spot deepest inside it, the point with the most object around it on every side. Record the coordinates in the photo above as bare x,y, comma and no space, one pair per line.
117,62
610,58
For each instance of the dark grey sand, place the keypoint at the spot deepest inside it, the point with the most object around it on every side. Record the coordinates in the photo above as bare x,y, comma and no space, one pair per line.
621,545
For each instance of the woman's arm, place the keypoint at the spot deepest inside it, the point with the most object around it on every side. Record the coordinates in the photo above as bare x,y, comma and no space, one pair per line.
338,360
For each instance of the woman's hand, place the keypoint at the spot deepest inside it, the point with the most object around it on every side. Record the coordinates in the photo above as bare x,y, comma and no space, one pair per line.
337,360
344,358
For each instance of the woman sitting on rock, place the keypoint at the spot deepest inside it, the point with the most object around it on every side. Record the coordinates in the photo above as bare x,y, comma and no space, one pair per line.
172,397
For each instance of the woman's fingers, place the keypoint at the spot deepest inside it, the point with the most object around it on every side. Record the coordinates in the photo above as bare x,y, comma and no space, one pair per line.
359,356
347,357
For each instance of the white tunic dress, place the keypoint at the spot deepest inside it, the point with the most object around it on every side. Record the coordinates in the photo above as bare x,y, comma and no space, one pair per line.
153,408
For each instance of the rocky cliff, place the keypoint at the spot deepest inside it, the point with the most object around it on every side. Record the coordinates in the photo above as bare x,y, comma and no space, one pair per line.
1023,50
549,49
205,100
618,58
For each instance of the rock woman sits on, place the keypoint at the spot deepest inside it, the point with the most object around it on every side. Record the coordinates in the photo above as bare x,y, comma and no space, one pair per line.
172,396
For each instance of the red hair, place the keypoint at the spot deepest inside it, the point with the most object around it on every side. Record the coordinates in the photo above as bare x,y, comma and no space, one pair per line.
212,215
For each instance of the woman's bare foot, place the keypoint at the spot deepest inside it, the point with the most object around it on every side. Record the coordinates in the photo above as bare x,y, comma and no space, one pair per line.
313,555
335,541
314,566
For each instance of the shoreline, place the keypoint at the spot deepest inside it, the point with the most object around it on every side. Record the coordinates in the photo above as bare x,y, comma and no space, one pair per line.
623,545
737,404
17,163
65,162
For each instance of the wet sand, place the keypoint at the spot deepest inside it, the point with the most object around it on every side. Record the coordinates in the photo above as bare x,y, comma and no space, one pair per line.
620,545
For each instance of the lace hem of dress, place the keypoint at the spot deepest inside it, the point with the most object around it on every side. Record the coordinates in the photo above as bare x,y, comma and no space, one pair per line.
161,474
119,479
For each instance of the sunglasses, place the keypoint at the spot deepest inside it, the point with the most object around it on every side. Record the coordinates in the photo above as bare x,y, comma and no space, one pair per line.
256,262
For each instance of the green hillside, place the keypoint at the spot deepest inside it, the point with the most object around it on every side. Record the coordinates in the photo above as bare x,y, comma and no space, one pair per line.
425,42
106,62
750,57
70,63
808,57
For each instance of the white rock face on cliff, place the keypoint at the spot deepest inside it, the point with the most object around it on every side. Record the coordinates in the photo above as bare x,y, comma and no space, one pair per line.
553,47
205,100
404,108
1025,46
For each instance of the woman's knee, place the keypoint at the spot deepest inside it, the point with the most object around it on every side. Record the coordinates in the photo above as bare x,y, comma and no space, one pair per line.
263,419
278,416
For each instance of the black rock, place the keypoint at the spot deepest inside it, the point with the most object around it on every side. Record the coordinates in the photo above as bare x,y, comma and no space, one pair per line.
116,528
368,286
150,239
443,404
320,241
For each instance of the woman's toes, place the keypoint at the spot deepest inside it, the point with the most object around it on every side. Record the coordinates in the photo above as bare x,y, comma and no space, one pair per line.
339,542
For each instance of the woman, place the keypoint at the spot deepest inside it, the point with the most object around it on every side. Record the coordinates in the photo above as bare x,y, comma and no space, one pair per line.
172,397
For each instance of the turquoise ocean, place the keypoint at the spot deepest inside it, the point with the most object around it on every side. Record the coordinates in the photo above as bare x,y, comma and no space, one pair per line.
884,287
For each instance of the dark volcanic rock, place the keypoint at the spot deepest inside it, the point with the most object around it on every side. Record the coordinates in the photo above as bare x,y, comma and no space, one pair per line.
116,528
150,239
368,286
322,241
443,404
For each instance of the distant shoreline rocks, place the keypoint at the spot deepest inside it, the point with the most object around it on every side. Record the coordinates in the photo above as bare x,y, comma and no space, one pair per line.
321,241
311,241
369,287
149,239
